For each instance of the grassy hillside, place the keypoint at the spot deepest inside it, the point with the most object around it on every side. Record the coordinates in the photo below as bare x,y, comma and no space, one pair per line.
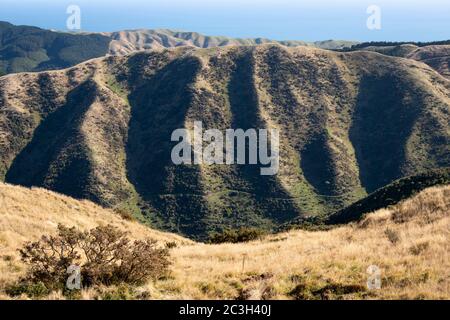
408,242
26,214
384,197
389,195
381,44
349,124
436,55
128,41
26,48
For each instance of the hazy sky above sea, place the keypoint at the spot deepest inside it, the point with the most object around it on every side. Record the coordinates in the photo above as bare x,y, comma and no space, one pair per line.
401,20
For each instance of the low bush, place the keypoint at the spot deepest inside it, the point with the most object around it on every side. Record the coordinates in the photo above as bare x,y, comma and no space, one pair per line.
236,236
392,235
105,255
171,245
124,214
34,290
419,248
329,291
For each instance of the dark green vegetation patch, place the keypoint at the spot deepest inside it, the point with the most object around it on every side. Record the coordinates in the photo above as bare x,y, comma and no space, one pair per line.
24,48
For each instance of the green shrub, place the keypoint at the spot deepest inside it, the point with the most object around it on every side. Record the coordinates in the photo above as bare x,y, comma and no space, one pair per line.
236,236
122,292
124,214
34,290
171,244
49,258
392,235
105,256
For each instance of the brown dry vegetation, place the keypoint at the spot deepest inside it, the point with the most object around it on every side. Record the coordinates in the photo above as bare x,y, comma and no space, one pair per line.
27,214
436,56
297,264
128,41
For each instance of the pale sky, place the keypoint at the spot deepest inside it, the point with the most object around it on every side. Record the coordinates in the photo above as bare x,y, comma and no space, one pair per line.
401,20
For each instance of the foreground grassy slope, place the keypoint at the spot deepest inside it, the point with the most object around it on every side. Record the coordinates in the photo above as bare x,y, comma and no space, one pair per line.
350,123
409,242
26,214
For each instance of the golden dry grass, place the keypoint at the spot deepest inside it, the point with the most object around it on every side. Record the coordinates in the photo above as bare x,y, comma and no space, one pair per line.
27,214
409,242
416,266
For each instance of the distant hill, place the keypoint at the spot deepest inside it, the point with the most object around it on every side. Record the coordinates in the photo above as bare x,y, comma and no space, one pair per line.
350,124
26,48
381,44
124,42
435,54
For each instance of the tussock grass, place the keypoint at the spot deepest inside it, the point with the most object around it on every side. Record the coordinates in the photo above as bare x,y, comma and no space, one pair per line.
27,214
294,265
331,264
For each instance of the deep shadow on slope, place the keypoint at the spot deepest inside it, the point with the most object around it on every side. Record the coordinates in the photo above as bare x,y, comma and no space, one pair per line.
56,158
382,123
317,165
266,190
171,194
26,48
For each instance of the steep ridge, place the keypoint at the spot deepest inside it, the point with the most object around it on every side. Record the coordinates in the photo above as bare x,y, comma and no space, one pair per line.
385,197
349,123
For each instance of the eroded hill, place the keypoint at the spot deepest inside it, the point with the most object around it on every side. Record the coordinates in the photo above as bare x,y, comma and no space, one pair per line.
349,123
